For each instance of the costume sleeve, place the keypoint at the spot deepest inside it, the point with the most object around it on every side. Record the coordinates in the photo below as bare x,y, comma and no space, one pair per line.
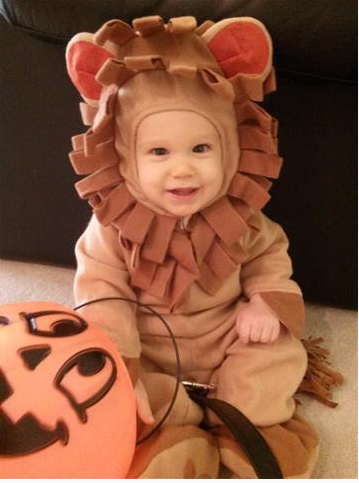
102,272
267,270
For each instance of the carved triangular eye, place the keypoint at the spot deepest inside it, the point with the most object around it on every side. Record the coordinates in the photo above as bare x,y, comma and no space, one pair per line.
32,356
4,320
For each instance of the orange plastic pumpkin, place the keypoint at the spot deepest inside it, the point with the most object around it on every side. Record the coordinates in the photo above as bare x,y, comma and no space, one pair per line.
67,403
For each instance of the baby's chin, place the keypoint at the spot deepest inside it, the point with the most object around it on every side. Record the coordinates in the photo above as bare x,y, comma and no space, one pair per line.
185,210
181,212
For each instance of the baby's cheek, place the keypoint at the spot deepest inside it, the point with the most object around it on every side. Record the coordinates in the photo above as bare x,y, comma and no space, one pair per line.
216,172
146,177
215,183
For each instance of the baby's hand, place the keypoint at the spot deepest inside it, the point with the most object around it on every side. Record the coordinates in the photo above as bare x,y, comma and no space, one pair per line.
143,407
144,411
256,323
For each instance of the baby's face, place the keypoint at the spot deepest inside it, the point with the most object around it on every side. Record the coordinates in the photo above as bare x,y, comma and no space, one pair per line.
179,161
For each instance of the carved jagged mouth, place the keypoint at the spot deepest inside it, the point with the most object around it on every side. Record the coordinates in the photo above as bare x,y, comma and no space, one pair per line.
28,435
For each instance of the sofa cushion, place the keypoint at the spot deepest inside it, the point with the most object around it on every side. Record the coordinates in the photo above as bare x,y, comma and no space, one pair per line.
306,35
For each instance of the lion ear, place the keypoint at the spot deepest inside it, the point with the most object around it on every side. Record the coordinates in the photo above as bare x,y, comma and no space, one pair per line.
241,45
83,60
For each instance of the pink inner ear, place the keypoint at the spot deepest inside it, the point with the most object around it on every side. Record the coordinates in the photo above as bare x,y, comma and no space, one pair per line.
241,47
84,60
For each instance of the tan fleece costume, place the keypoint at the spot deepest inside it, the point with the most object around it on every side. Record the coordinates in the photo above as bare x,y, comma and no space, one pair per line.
197,273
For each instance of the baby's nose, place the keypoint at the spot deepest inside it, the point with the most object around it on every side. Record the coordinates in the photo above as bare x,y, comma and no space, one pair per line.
183,168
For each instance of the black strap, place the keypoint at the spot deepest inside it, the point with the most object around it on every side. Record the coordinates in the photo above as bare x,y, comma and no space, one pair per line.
247,435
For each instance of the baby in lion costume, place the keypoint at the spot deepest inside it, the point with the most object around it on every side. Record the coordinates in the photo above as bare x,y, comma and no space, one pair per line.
178,160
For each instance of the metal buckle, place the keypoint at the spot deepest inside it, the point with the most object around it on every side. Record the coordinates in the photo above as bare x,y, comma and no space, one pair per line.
197,387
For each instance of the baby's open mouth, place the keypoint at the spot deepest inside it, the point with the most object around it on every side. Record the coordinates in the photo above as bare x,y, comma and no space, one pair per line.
182,193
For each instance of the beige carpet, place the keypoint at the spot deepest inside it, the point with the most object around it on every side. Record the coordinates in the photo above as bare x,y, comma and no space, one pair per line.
337,427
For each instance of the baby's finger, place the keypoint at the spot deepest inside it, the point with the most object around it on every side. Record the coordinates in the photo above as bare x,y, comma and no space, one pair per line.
256,332
243,332
143,405
144,412
275,333
266,335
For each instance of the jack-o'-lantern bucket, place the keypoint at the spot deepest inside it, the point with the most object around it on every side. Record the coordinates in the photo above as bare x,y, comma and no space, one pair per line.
67,402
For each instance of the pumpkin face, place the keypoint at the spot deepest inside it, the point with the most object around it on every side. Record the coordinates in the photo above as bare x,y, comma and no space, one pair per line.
67,403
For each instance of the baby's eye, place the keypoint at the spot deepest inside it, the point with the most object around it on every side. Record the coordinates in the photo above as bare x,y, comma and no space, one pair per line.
201,148
159,151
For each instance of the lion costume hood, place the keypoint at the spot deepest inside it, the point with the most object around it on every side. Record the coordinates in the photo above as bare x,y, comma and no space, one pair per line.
217,70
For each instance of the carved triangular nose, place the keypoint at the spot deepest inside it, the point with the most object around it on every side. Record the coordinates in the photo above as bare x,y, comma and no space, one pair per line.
32,356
